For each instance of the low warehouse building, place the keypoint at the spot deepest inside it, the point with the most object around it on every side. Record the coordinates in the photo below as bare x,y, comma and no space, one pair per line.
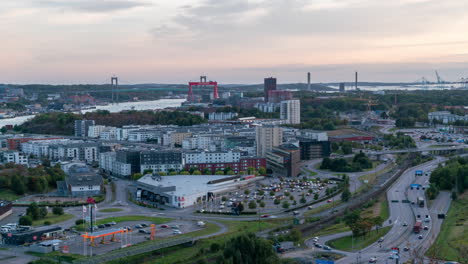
185,190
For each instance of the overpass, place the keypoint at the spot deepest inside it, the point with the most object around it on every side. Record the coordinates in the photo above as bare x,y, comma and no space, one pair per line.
436,151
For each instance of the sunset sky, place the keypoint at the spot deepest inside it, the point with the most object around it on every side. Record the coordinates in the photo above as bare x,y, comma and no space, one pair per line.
231,41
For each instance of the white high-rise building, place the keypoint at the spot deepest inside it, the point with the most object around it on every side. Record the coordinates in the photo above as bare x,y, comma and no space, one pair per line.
290,111
267,137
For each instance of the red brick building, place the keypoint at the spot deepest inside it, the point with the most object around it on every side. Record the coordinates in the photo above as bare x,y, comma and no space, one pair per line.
15,143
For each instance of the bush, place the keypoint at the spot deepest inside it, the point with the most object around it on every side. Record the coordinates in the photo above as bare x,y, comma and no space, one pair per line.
47,223
215,247
80,221
57,210
25,220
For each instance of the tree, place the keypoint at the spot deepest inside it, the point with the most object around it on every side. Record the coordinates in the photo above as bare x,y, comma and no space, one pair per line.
252,205
196,172
184,172
147,171
335,147
262,204
247,192
261,192
303,199
248,248
316,196
277,201
285,205
25,220
17,185
326,163
345,195
162,173
80,222
57,210
215,247
136,176
224,198
219,172
240,207
347,149
454,196
33,211
262,171
42,212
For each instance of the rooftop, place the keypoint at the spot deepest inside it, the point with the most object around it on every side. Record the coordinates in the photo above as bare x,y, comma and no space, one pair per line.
188,184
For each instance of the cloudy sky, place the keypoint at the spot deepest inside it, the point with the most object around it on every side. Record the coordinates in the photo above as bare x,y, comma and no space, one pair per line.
231,41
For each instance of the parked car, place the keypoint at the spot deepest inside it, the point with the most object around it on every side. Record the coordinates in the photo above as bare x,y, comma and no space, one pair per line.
420,237
144,225
138,226
164,226
101,226
326,247
176,232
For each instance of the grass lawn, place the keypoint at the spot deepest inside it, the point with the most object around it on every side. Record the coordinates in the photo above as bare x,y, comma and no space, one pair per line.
8,195
334,229
110,210
118,219
346,243
453,236
53,219
311,173
57,255
184,254
322,208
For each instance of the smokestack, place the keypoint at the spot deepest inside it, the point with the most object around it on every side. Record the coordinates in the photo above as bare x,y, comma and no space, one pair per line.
355,81
308,81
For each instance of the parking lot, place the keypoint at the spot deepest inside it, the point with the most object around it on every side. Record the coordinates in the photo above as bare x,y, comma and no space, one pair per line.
273,193
140,232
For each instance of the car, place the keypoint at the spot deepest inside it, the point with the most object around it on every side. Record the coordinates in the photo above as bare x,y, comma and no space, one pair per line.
176,232
420,237
101,226
108,224
164,226
329,201
426,228
405,224
392,256
144,231
318,245
138,226
144,225
406,249
265,216
326,247
427,220
175,226
373,260
221,207
127,228
113,223
380,240
295,212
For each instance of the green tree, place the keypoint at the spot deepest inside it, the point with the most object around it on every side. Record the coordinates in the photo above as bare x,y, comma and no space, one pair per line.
262,204
285,205
184,172
25,220
252,205
345,195
248,248
247,192
17,185
262,171
33,211
316,196
42,212
196,172
303,200
224,198
219,172
57,210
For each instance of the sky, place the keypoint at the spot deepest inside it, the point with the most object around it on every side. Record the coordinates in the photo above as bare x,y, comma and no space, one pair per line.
231,41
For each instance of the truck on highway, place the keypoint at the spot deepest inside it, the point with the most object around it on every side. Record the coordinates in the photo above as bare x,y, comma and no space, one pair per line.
418,173
417,227
420,201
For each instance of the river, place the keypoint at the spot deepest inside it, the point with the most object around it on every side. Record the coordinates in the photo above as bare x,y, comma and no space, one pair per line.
113,108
